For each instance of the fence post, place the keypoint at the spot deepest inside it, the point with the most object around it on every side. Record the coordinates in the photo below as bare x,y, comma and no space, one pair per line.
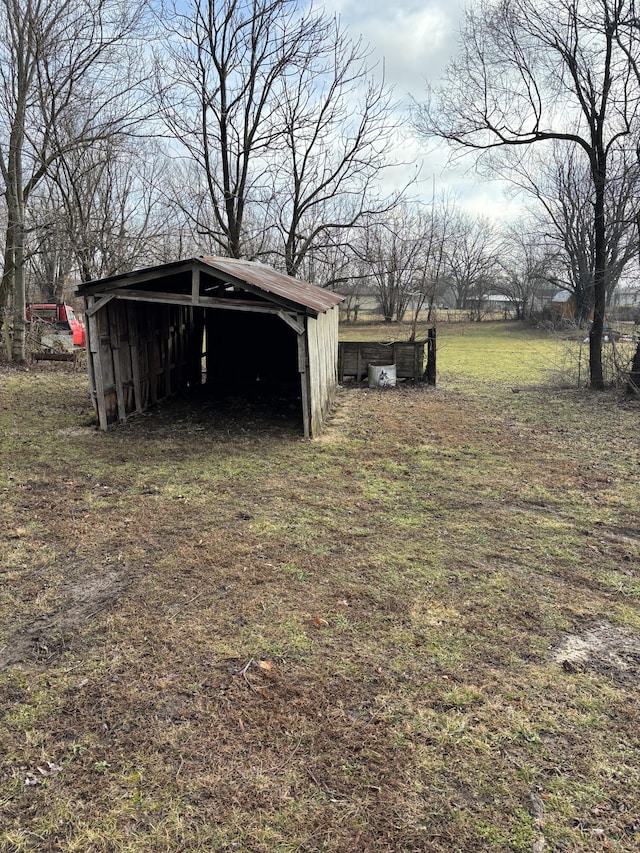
430,370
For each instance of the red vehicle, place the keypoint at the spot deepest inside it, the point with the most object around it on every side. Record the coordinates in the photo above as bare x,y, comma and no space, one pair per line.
61,316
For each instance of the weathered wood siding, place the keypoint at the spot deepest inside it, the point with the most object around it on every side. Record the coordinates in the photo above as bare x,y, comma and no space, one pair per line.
322,343
139,354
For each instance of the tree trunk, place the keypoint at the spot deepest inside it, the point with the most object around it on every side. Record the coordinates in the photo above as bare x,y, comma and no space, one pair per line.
6,288
18,347
6,283
15,231
599,273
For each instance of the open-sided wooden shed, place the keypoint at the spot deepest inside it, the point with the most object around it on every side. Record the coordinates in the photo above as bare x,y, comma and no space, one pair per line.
149,332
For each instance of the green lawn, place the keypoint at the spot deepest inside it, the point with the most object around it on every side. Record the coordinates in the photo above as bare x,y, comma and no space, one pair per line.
505,352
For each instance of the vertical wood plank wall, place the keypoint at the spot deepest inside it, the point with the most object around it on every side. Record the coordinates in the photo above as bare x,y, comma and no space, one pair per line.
143,354
322,335
354,357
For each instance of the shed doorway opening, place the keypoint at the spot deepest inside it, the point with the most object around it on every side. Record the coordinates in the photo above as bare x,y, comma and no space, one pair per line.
252,359
250,354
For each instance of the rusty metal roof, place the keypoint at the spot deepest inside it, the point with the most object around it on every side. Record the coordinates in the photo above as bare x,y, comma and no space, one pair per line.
270,280
258,277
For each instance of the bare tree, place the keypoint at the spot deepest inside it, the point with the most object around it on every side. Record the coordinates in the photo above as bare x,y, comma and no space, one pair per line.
528,268
430,282
284,127
628,35
48,253
115,215
392,250
404,256
471,256
561,186
531,71
337,134
219,88
66,79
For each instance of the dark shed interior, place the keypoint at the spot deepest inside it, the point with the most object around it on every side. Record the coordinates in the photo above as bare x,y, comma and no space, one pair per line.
251,354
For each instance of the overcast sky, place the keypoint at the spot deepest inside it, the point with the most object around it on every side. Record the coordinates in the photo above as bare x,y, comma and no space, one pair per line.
415,39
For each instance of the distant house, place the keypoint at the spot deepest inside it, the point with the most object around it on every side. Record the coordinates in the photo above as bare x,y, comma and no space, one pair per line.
625,296
563,305
498,302
365,303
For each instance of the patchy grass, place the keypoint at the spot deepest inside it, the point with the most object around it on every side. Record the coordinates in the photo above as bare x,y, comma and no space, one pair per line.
420,632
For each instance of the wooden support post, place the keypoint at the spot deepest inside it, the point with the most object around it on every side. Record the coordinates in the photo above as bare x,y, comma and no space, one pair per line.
135,356
114,339
94,362
430,370
304,384
165,349
196,347
195,286
153,348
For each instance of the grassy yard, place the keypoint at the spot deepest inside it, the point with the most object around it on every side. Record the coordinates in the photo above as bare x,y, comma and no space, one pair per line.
420,632
503,352
507,352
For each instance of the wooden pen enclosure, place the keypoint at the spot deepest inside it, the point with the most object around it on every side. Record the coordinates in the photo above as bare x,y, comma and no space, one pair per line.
233,326
354,357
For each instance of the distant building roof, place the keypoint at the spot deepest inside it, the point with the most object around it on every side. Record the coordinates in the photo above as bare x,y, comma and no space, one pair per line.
498,297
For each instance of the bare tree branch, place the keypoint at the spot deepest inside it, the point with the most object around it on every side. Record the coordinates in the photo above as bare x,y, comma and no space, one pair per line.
530,72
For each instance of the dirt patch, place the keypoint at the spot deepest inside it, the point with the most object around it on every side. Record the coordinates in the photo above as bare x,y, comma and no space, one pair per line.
603,648
49,635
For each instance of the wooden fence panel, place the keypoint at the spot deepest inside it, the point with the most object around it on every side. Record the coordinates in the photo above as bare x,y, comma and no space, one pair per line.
354,357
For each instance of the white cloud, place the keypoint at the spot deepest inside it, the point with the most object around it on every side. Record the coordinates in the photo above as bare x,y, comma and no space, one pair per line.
413,41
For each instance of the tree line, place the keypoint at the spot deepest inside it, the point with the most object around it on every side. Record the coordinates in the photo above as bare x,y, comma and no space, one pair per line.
138,132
